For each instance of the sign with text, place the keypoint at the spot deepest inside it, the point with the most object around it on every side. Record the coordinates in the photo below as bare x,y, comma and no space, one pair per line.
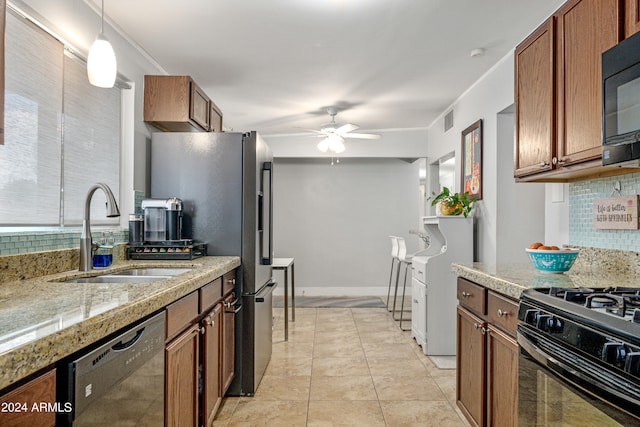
616,213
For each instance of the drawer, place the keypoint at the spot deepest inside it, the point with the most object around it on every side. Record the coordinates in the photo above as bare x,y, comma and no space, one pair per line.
502,312
210,294
472,296
228,282
419,268
181,314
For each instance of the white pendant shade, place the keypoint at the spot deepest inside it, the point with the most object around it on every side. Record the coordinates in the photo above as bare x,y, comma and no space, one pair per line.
101,64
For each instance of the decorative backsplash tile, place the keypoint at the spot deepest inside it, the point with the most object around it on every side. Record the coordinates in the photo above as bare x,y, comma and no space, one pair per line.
20,243
581,196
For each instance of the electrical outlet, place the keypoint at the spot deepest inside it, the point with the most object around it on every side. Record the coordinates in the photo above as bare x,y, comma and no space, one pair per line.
303,292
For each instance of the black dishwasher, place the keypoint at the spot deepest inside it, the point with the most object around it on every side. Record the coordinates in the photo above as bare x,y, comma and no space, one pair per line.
121,382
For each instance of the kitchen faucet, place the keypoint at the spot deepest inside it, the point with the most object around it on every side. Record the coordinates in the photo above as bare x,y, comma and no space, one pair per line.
86,244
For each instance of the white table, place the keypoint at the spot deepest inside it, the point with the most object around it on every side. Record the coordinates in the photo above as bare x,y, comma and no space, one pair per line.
285,264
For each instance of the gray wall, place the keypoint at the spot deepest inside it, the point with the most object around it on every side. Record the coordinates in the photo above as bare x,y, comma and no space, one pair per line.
335,221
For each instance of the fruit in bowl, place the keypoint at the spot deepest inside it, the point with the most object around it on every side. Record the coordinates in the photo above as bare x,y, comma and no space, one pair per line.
551,259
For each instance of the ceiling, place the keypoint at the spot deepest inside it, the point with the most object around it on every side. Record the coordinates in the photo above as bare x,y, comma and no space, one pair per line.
275,65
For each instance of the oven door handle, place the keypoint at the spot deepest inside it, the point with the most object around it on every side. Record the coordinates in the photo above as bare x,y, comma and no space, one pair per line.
569,373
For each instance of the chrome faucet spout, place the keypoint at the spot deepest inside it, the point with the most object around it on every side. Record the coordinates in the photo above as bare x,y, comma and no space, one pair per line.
86,261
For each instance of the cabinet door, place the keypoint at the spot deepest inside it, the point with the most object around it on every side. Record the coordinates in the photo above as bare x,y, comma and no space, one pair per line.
631,17
211,364
535,106
41,390
199,106
585,29
470,373
181,382
228,342
215,118
502,379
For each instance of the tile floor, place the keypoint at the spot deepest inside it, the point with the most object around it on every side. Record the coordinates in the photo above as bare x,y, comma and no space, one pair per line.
346,367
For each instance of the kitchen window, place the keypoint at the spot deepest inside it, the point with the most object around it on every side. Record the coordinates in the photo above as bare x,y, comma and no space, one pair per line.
61,134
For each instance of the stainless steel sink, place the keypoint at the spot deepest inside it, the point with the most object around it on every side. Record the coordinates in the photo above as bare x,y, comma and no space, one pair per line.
112,278
152,271
132,275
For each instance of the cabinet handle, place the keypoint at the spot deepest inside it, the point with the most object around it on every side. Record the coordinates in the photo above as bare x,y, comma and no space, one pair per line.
502,313
202,330
415,300
232,281
476,326
466,294
543,164
484,330
563,160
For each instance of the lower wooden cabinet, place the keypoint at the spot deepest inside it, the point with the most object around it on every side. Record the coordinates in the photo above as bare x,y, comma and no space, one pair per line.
228,340
487,357
199,354
211,364
17,406
471,367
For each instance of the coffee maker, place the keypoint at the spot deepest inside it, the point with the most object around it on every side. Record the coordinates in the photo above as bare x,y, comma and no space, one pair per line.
162,219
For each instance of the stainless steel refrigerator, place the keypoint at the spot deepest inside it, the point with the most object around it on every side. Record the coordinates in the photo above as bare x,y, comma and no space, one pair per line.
225,183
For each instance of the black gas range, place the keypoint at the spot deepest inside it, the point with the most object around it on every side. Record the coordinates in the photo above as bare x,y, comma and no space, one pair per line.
588,340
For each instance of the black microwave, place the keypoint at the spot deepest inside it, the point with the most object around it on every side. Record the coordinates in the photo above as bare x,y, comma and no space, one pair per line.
621,104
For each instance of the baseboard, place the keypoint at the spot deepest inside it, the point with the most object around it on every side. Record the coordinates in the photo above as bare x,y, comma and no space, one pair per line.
338,291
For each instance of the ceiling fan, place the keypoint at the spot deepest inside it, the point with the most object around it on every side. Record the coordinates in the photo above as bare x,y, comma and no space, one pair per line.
335,133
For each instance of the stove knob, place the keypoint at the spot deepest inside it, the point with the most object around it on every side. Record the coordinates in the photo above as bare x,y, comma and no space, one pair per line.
531,316
543,322
613,352
554,325
632,364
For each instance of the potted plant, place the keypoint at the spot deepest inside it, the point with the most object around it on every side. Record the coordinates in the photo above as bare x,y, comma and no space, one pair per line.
453,203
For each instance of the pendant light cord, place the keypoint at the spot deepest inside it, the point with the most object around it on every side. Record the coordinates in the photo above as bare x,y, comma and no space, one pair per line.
102,19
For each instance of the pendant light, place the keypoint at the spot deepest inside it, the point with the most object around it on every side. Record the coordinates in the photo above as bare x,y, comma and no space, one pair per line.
101,63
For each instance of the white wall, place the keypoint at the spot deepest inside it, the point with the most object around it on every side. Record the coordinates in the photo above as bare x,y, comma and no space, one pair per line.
497,215
335,221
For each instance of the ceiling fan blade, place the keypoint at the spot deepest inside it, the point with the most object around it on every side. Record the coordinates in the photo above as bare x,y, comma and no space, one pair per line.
347,128
361,135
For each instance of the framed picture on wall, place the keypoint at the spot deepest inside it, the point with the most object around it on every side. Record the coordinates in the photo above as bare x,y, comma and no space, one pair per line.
472,161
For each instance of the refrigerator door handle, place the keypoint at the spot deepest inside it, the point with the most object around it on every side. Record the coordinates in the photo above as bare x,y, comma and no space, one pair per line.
265,211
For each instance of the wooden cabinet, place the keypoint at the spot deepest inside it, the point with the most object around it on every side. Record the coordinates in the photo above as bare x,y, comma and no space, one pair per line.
558,92
228,341
631,17
211,364
181,362
487,357
199,354
18,405
215,118
471,368
535,106
178,104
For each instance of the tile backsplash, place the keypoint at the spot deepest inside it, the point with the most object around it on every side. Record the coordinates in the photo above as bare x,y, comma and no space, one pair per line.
581,196
20,243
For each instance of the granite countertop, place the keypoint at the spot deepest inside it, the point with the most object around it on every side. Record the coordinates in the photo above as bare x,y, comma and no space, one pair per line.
43,320
513,279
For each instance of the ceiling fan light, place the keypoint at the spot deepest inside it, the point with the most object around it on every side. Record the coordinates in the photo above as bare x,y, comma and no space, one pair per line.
324,145
336,143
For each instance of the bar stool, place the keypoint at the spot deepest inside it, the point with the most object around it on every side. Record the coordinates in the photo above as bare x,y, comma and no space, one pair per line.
403,260
394,258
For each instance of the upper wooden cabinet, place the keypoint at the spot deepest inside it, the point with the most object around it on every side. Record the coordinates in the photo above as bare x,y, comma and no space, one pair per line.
215,118
558,92
631,17
535,106
178,104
